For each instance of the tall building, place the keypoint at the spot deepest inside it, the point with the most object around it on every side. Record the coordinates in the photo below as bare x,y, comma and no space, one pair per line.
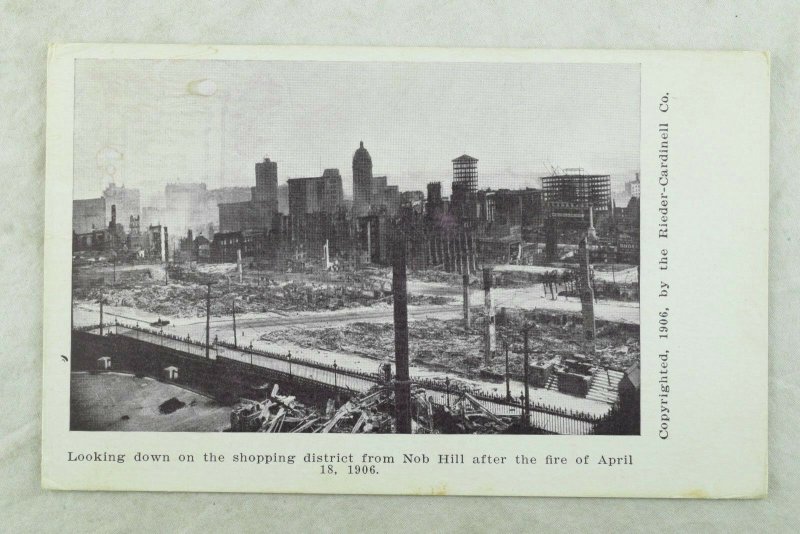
157,243
391,199
125,199
266,188
370,193
465,172
518,206
634,188
435,193
225,195
134,233
436,207
568,197
258,212
464,188
264,195
315,194
362,180
378,196
283,199
236,216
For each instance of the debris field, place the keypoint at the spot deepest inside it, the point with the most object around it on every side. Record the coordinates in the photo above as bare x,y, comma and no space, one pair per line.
371,412
180,298
444,345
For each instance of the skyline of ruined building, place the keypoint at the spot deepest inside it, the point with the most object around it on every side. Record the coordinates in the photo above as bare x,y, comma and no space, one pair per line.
137,124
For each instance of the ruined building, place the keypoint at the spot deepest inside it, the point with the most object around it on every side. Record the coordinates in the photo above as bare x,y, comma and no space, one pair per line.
134,233
156,243
88,215
265,192
89,230
634,188
315,194
568,197
371,193
258,212
465,173
464,188
126,200
362,180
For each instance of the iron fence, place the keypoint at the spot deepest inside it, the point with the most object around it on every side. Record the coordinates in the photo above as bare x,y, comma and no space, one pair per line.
557,419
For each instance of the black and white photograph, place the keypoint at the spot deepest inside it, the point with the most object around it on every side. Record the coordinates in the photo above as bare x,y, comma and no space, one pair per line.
355,247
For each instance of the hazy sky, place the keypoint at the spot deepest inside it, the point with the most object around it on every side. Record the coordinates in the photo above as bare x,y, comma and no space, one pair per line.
147,123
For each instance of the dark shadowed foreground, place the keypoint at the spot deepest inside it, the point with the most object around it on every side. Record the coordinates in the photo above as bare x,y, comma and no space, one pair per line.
115,401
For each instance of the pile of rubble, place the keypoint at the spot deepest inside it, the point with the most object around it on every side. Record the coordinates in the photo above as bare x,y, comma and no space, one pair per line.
278,413
184,295
437,276
444,345
186,299
468,416
433,341
421,300
174,299
366,414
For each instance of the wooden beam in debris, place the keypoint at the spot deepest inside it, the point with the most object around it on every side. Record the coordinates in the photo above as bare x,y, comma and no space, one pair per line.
344,410
306,425
361,421
483,409
275,420
369,400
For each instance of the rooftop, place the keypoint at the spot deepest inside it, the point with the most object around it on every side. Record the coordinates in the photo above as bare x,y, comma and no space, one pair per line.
328,173
362,155
576,176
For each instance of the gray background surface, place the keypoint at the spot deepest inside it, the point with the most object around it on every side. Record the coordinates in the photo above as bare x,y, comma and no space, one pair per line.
27,27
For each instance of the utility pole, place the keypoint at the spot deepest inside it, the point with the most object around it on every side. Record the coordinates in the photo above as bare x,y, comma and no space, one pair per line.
101,317
526,412
508,381
467,321
208,317
235,344
489,345
402,385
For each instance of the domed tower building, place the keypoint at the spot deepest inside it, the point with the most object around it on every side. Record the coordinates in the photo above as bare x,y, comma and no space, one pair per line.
362,181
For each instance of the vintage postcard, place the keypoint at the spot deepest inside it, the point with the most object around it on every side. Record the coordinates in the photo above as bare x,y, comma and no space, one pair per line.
406,271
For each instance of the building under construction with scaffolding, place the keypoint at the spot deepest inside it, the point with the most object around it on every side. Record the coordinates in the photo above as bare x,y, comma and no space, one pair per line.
568,197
